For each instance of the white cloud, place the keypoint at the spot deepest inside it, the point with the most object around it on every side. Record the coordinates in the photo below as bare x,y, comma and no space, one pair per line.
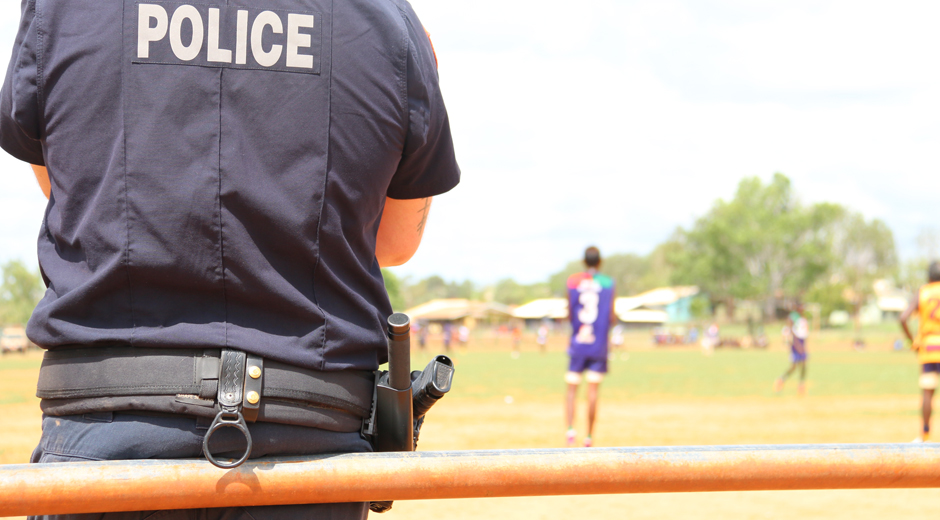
612,122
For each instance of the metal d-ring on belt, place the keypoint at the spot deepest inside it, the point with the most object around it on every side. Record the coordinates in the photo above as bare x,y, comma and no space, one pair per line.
239,397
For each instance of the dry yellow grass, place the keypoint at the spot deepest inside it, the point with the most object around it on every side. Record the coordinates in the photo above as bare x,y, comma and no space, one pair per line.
687,422
536,421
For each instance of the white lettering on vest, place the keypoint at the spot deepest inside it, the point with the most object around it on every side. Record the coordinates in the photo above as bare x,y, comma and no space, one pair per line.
186,52
296,40
216,53
146,33
241,37
165,37
265,18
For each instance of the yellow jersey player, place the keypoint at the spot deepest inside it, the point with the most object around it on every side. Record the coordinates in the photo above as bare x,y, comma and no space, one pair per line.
927,344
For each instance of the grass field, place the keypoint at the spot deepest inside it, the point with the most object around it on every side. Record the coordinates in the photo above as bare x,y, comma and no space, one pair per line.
652,397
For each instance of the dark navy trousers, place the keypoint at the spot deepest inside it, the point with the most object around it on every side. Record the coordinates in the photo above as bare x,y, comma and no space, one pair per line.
124,436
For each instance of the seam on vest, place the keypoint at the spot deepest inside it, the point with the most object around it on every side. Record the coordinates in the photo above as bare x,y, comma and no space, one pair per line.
326,185
40,51
41,121
225,323
403,69
127,219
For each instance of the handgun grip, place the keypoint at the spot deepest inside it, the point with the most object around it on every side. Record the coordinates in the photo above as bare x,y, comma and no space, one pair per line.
431,384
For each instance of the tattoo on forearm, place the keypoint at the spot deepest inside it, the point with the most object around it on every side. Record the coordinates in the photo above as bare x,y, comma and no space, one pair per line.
424,215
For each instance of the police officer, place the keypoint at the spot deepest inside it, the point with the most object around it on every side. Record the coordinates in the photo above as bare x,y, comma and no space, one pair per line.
223,180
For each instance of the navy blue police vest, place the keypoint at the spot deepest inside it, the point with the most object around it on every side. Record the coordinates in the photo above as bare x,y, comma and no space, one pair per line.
219,169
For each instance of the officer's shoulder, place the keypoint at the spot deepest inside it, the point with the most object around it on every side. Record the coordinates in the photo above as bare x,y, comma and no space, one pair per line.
402,6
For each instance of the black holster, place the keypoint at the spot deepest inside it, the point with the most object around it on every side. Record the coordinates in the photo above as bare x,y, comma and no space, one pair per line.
402,398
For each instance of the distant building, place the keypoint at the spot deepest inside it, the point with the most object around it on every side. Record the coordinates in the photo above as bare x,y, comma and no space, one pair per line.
662,305
460,310
886,305
890,300
633,311
656,307
555,309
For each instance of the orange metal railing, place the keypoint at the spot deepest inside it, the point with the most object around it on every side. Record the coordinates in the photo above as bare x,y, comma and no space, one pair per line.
87,487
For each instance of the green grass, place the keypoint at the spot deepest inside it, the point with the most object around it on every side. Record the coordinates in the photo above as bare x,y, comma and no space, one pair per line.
683,373
12,399
671,373
18,361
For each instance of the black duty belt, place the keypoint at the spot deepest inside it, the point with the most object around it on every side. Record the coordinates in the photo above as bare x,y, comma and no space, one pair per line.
187,381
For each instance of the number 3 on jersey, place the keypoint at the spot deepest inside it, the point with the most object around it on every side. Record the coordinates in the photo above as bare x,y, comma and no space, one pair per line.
589,301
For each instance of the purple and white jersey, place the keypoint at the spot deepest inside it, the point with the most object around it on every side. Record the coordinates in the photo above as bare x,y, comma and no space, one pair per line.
590,299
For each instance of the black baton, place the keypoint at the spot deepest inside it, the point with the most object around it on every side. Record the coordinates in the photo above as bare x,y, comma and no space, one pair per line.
394,416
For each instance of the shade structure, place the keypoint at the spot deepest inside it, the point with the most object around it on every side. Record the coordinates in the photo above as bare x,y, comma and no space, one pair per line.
86,487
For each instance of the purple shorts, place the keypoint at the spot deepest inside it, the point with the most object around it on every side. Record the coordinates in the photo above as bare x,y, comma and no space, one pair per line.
796,357
581,363
931,367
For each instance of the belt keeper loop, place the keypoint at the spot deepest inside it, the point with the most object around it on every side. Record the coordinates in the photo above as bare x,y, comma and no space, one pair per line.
210,364
230,398
253,385
207,368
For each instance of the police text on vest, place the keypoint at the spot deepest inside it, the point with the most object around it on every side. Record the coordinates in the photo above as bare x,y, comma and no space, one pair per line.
227,36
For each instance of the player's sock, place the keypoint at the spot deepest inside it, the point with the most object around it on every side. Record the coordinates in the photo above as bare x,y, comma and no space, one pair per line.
569,437
778,385
801,390
588,442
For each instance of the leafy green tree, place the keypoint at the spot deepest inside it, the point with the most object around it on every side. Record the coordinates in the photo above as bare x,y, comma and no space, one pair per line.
700,307
913,273
434,287
632,274
627,272
510,292
928,242
865,252
558,282
661,271
762,245
393,288
20,291
831,296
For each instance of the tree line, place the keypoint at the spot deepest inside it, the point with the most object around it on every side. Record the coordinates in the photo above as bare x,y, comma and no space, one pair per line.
764,245
20,291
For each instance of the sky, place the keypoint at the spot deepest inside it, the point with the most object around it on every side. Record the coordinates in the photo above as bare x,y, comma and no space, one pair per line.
613,122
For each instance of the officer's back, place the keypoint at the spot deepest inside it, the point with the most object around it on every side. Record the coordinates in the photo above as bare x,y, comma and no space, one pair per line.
218,177
218,172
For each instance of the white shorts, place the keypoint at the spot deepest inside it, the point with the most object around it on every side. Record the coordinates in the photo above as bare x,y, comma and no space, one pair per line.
929,380
574,378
